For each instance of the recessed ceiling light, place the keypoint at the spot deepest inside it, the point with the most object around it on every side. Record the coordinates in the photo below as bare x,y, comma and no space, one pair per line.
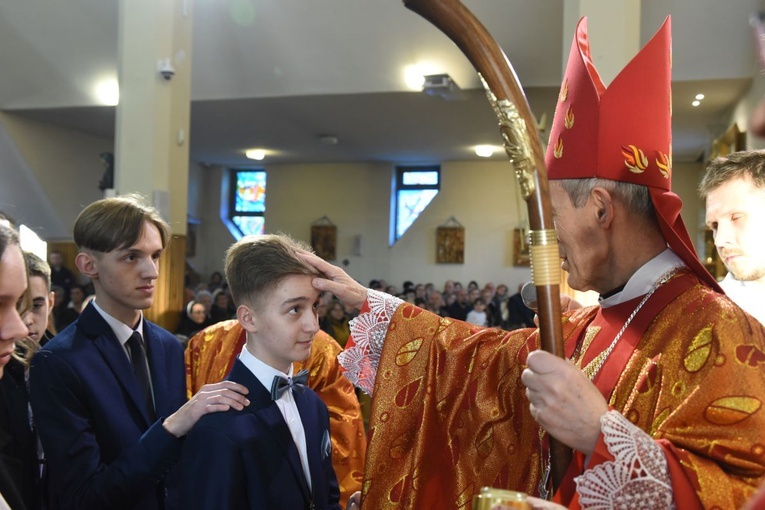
696,103
107,92
484,151
414,75
699,96
257,154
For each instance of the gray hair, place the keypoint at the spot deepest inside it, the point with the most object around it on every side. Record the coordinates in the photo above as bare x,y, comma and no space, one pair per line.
634,196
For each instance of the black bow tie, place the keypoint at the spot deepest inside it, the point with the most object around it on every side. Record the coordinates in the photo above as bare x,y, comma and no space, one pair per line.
280,384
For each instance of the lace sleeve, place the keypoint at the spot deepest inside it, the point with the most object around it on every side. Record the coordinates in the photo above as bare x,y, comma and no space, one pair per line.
637,477
368,331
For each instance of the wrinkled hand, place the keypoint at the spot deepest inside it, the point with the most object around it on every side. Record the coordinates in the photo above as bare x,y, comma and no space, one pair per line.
563,401
346,289
354,502
211,398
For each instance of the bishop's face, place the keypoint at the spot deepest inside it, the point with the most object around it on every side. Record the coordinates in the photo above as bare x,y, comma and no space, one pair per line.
581,244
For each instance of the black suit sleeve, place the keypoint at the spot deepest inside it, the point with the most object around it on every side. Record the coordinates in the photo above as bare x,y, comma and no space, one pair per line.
80,479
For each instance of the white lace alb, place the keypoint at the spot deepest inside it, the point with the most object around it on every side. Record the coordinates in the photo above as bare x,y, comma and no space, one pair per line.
368,331
638,477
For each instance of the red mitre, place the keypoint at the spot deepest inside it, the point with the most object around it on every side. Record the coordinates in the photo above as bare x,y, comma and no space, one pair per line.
622,132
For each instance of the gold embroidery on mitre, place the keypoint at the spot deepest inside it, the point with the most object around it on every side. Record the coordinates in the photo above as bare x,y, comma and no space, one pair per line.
731,410
635,159
697,353
558,150
563,91
664,163
568,120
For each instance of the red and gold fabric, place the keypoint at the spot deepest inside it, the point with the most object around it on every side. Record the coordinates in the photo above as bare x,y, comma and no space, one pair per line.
449,413
211,353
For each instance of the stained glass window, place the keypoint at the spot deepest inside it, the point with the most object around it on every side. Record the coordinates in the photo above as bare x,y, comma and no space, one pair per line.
415,188
248,202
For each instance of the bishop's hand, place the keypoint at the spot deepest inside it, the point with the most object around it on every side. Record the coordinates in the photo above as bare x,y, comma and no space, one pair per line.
335,280
563,401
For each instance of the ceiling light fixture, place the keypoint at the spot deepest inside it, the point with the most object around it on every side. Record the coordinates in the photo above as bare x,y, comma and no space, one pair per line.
414,75
256,154
699,96
484,151
107,92
696,103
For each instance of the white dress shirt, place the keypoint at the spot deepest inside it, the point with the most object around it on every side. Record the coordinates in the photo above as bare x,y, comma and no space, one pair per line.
748,295
286,403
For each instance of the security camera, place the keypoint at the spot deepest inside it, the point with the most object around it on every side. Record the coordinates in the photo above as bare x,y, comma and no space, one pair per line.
166,69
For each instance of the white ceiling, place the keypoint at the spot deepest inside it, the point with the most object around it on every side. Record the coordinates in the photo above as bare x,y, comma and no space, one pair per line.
281,73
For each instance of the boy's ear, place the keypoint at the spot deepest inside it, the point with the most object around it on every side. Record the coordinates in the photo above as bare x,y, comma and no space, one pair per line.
87,264
247,319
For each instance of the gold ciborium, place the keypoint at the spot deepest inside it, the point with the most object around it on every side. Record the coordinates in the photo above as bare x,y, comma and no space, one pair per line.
490,496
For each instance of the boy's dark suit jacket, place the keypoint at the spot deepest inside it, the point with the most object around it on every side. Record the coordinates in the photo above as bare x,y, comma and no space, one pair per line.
102,447
248,460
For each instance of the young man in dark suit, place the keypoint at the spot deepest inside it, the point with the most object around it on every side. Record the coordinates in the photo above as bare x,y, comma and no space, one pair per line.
108,392
276,453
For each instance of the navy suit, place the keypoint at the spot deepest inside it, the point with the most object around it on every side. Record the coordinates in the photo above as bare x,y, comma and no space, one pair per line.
248,460
102,449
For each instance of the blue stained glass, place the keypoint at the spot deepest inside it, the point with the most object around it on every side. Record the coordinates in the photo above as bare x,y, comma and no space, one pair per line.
250,192
249,225
410,204
419,178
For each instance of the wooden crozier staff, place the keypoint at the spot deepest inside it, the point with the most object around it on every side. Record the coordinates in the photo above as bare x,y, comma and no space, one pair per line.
523,147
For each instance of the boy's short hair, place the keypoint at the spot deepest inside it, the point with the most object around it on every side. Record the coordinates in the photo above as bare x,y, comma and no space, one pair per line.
114,223
255,265
37,267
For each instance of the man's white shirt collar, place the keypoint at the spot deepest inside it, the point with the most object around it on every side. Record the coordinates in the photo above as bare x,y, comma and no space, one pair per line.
645,278
263,372
121,330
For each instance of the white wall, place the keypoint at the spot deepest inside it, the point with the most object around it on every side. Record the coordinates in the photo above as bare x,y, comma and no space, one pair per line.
48,173
482,196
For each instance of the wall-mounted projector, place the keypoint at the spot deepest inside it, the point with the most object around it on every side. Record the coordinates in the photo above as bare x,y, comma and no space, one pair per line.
440,85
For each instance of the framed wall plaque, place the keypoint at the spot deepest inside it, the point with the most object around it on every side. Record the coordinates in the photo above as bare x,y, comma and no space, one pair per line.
521,255
450,243
324,238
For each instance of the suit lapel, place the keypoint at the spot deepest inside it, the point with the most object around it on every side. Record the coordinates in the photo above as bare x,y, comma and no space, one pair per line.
268,412
95,327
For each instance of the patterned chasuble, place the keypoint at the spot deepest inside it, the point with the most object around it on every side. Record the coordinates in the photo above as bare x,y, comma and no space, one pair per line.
450,415
212,352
